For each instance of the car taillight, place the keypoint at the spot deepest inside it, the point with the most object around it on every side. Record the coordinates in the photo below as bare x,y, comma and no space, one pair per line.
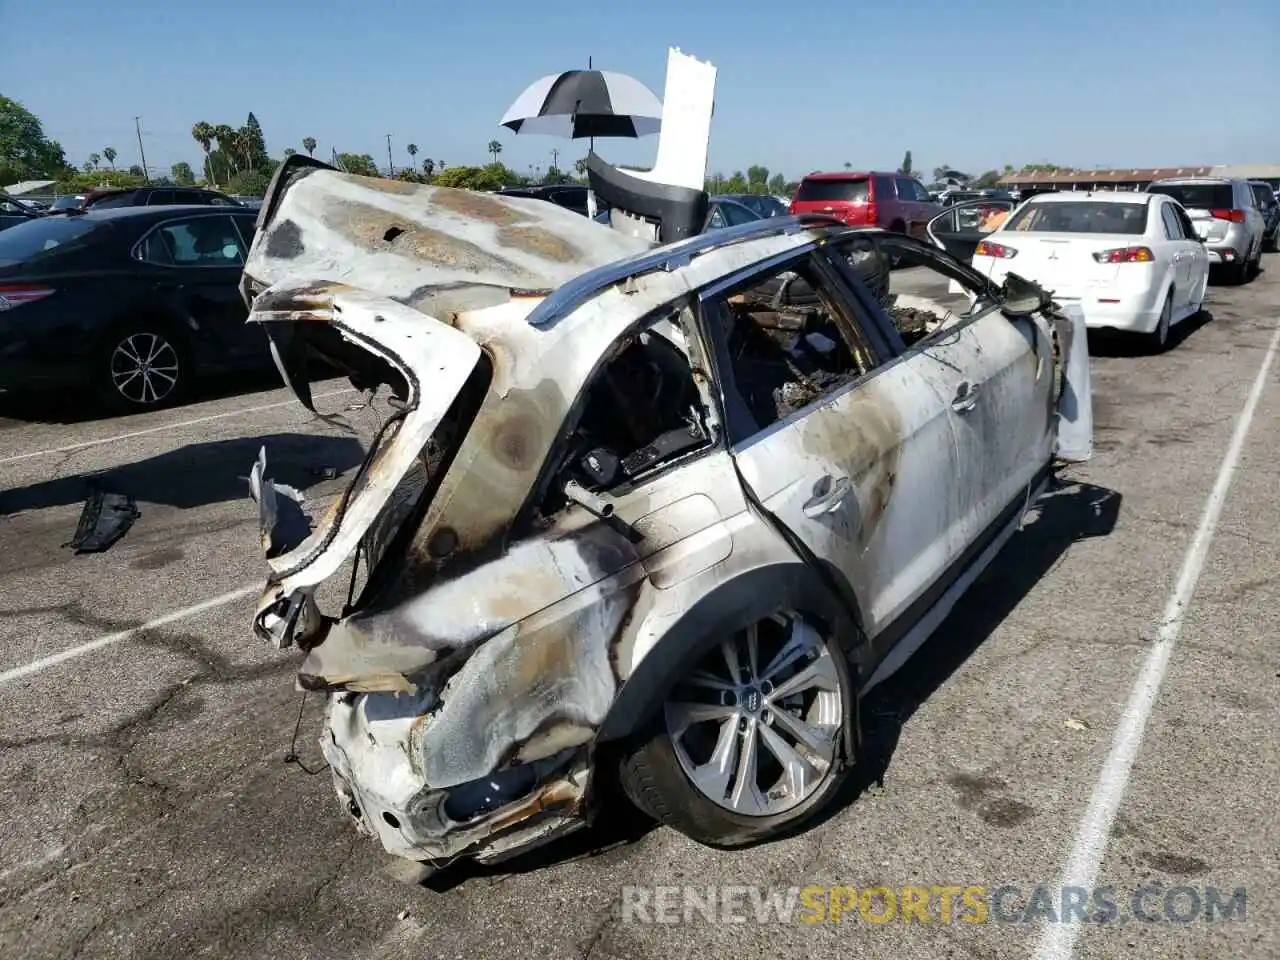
988,249
1125,255
871,213
15,295
1235,216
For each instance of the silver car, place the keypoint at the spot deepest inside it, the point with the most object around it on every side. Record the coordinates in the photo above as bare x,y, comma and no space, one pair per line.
637,514
1226,216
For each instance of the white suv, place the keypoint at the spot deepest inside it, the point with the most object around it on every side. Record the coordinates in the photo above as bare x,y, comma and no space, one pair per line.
1226,215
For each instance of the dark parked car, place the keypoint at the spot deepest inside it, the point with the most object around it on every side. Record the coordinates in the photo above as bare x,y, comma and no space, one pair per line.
573,196
763,206
156,197
1270,209
14,212
132,302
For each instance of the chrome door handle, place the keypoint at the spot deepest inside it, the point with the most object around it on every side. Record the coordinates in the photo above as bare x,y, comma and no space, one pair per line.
966,397
828,495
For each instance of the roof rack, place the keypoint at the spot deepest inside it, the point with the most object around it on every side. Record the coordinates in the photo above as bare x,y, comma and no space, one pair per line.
673,256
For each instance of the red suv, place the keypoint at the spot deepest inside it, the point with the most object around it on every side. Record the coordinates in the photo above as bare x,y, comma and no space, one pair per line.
889,200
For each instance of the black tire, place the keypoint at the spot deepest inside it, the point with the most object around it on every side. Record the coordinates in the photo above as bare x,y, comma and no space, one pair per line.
651,776
159,349
1158,339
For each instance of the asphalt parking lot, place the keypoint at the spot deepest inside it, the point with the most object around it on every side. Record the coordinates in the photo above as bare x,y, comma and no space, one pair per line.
148,811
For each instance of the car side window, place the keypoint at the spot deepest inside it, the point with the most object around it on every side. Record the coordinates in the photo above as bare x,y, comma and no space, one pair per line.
216,200
193,242
1188,228
640,413
1172,226
716,220
737,215
785,339
906,189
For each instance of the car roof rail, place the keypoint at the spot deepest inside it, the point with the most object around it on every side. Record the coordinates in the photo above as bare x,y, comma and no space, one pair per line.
672,256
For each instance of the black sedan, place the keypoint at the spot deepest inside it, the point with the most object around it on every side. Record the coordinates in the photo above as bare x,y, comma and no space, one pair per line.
132,302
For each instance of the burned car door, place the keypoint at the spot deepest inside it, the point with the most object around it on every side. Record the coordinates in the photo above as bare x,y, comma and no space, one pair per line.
960,228
995,372
853,458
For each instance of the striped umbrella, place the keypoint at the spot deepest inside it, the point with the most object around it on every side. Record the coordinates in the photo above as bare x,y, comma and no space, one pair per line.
578,104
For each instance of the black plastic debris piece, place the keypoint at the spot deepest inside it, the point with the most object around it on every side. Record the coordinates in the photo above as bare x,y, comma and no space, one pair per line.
106,518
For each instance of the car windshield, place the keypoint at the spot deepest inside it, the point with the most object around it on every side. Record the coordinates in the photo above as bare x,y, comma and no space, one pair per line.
1081,216
842,190
37,237
1197,196
66,203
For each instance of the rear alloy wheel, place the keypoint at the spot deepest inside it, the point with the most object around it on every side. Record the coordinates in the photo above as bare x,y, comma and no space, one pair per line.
144,368
1159,338
750,743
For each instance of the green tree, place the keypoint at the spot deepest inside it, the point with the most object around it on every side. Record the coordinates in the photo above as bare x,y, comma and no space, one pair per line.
110,154
182,175
988,179
906,163
137,171
1042,168
358,163
428,168
580,167
96,160
252,145
757,179
249,183
736,183
495,148
412,150
848,165
203,133
25,152
777,185
555,175
88,166
715,183
289,152
309,145
492,176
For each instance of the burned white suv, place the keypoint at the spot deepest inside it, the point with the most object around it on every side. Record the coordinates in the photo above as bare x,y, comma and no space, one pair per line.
659,514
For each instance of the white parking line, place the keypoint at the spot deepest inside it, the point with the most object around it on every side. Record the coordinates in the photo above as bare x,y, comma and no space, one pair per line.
167,426
44,663
1058,940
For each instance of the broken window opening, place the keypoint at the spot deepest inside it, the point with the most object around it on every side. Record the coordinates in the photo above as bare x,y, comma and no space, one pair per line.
791,339
922,301
642,412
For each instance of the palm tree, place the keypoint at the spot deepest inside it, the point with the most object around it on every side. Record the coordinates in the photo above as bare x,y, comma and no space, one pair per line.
95,159
848,165
428,167
495,148
289,152
203,134
440,165
412,150
110,154
226,138
309,145
580,167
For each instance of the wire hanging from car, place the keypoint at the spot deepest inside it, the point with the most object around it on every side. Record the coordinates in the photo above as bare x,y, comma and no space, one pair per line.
292,755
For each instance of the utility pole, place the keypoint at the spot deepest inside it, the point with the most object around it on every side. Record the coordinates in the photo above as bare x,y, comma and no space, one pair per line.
555,158
390,163
137,125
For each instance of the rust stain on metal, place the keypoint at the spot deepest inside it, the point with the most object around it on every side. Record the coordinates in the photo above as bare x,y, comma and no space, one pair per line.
557,794
476,206
539,242
377,231
401,187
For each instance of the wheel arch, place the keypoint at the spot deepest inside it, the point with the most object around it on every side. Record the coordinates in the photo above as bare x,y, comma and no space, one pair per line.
731,606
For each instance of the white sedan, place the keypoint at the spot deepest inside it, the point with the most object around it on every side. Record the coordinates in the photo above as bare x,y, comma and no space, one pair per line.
1132,261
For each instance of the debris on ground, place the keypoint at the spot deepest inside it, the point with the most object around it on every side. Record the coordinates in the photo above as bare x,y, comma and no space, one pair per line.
1072,723
106,518
283,522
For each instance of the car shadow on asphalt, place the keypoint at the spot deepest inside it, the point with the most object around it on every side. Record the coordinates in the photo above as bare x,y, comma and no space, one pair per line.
1068,513
1114,343
199,473
75,406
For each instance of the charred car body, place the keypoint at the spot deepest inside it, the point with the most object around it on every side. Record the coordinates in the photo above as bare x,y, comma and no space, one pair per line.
638,512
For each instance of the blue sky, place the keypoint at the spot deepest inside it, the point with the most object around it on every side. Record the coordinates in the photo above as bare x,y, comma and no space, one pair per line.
801,86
